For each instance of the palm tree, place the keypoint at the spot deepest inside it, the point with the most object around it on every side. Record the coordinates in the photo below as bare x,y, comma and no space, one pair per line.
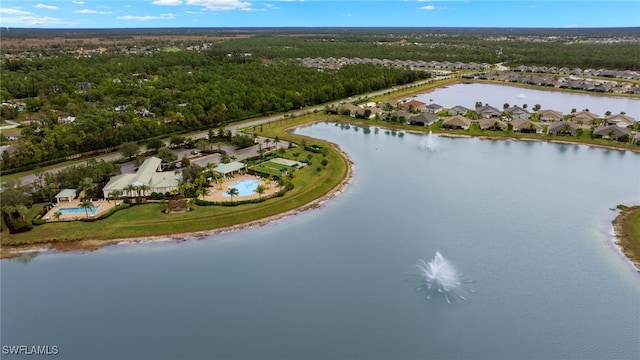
86,205
260,189
87,186
233,192
56,215
267,141
129,189
114,194
143,189
276,140
204,191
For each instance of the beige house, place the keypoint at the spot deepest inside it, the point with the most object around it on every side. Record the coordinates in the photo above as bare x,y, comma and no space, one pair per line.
550,115
456,122
620,120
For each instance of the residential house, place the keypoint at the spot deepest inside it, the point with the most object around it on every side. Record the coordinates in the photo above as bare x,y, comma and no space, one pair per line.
400,116
456,122
350,108
526,126
145,113
148,174
517,112
66,119
423,119
458,110
612,132
620,120
413,105
550,115
434,108
585,116
563,128
492,124
488,111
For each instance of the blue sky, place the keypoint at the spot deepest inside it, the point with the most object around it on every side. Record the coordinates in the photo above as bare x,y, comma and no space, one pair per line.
278,13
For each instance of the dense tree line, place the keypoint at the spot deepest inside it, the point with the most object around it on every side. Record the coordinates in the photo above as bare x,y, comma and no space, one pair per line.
467,48
112,99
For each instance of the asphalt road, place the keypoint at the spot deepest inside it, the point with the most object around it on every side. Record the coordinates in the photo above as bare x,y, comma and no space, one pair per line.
240,154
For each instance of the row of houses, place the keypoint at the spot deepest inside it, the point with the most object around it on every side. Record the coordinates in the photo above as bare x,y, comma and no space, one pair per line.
515,118
584,117
336,63
570,82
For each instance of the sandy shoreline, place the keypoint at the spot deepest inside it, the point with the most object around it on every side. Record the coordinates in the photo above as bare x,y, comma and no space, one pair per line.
95,244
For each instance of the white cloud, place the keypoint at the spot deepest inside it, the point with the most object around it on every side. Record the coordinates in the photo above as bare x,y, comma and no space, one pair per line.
32,20
221,5
147,18
11,11
89,11
78,2
193,12
48,7
167,2
428,7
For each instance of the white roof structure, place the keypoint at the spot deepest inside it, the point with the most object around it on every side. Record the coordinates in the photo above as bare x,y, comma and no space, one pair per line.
231,167
147,174
66,194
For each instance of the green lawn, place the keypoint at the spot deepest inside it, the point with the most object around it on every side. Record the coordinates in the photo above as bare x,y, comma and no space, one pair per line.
148,220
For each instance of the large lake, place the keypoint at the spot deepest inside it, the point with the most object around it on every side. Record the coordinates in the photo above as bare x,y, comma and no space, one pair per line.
528,222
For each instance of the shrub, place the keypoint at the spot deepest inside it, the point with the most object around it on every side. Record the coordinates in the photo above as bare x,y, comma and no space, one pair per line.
113,210
156,196
38,221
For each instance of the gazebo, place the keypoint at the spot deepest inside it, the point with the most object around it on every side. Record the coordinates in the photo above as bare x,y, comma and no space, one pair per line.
66,195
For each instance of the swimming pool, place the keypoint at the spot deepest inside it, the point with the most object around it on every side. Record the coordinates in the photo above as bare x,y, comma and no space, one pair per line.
78,210
245,187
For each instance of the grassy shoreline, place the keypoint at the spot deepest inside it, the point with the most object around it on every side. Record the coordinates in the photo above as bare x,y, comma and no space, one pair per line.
146,223
627,229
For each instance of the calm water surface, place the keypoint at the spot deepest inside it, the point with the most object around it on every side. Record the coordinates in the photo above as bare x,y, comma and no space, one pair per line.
529,222
497,95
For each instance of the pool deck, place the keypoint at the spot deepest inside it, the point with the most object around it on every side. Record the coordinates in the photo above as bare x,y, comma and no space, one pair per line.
217,192
104,207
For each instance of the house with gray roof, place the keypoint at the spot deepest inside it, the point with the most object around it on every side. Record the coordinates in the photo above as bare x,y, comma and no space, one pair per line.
401,116
517,112
458,110
488,111
434,108
612,132
423,119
